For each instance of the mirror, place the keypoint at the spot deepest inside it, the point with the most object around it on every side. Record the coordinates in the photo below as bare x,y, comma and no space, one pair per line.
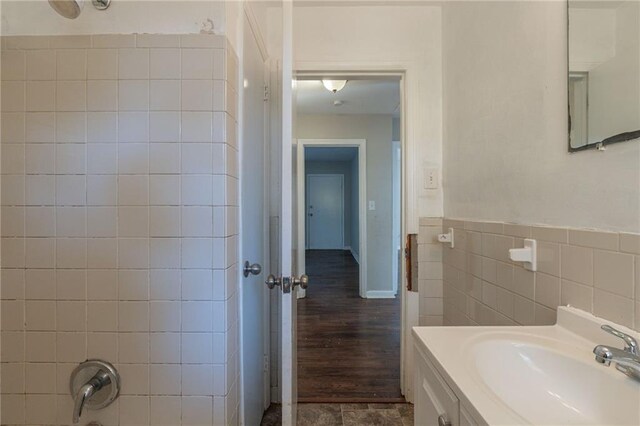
604,73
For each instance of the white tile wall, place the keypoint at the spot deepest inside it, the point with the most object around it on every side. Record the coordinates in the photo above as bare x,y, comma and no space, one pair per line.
592,270
119,183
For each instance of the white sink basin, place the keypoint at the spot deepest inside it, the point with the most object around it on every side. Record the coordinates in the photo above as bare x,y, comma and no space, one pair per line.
546,382
535,375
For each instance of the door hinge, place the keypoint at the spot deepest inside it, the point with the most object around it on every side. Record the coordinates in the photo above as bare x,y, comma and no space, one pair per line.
266,364
266,93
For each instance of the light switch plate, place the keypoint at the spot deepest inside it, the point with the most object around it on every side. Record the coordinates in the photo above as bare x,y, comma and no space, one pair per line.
372,205
431,180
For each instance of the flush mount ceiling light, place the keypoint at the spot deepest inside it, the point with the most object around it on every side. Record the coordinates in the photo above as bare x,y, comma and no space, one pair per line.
334,85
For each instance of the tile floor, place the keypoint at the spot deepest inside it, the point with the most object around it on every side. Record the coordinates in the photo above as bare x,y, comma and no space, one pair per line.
345,415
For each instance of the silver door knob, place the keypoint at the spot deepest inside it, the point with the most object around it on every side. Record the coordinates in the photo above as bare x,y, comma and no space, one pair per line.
443,421
303,281
272,281
254,269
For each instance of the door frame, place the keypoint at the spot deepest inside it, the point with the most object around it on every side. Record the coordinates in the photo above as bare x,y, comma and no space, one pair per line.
399,70
342,207
396,213
361,145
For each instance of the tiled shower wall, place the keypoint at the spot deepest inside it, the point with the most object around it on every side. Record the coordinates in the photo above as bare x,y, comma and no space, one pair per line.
119,225
598,272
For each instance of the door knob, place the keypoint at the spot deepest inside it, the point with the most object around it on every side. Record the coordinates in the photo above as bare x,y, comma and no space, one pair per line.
303,281
443,421
272,281
254,269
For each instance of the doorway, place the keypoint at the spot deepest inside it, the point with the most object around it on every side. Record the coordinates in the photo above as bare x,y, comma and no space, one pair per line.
349,320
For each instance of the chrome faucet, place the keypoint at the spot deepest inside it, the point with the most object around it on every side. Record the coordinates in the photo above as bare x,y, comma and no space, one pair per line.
627,360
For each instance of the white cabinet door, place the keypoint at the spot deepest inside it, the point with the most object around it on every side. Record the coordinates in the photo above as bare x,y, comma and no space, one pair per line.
435,402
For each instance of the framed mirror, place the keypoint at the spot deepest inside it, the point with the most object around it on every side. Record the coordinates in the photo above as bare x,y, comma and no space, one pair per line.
604,73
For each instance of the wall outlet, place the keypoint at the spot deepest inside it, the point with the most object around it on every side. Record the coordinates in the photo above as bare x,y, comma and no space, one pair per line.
372,205
431,180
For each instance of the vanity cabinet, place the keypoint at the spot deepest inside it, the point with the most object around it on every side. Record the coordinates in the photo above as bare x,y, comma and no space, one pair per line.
435,402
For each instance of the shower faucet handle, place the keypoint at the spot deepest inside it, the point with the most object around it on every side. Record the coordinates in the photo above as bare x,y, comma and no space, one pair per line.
94,384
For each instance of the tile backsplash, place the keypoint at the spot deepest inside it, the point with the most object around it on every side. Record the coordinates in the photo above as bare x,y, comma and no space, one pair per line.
119,225
596,271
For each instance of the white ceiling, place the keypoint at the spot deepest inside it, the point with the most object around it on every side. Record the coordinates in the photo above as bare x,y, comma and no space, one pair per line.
330,154
359,97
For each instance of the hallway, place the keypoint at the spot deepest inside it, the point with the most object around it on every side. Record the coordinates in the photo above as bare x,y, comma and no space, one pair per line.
348,347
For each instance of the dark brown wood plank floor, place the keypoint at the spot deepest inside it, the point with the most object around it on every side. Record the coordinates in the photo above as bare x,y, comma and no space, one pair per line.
348,347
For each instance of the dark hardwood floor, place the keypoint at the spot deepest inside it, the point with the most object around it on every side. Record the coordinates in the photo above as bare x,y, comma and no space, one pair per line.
348,347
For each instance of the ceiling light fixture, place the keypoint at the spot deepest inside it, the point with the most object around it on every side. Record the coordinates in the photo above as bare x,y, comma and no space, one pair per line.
334,85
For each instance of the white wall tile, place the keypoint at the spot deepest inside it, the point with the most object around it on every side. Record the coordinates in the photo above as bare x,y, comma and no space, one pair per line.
164,190
102,64
133,64
102,221
197,64
164,158
133,127
102,127
164,95
102,95
71,64
164,126
71,127
133,284
127,223
165,379
71,95
41,64
164,63
133,95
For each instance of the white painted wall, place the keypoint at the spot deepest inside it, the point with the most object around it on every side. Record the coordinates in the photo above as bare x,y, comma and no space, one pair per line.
505,121
376,129
36,17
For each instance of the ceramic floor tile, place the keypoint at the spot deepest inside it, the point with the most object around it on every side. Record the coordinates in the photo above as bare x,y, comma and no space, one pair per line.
390,417
352,407
319,415
345,415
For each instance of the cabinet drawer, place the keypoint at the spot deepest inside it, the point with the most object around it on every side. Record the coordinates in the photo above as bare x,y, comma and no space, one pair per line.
434,400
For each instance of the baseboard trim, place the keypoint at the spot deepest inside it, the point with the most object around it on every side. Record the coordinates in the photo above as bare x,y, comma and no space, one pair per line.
380,294
355,255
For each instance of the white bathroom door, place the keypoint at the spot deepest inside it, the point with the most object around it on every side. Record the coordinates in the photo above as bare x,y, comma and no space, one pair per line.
255,294
325,212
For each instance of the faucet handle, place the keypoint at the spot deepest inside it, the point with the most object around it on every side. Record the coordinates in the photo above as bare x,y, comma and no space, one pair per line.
631,344
94,384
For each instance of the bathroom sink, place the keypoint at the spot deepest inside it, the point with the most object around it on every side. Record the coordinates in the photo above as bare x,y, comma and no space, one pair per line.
533,375
527,374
